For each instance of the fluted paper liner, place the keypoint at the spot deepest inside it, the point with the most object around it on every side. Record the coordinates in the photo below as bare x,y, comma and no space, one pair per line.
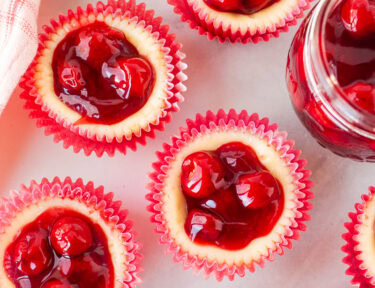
357,270
198,20
76,135
225,122
87,194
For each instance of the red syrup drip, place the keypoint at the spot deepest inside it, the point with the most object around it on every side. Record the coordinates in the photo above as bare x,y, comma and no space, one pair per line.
35,260
246,7
234,199
350,51
99,74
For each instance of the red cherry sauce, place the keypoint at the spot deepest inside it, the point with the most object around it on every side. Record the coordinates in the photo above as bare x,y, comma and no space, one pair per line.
100,74
246,7
61,248
231,197
350,51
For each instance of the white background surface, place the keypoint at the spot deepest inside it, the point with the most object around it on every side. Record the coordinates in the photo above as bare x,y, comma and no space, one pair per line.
225,76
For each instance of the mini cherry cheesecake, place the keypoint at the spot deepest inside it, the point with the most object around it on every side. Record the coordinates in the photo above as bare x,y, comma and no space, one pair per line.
360,242
105,78
240,20
66,234
228,193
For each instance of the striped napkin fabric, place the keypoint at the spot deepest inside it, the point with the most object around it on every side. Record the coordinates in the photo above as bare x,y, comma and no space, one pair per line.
18,42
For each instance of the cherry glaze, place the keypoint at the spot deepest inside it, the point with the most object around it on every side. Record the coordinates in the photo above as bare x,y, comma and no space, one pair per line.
100,74
351,60
244,205
86,263
55,284
246,7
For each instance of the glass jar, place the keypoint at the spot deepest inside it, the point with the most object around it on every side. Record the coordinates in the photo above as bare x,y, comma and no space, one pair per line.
317,97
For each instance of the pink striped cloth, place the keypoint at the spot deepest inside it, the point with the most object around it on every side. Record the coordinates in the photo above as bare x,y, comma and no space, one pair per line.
18,42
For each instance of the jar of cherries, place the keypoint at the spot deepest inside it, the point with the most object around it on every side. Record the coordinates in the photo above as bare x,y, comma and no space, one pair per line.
331,76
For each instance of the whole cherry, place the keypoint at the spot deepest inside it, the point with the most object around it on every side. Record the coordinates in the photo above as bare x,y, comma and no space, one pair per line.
91,46
131,77
202,226
238,157
118,77
201,174
97,44
358,17
257,190
32,253
140,75
70,75
71,236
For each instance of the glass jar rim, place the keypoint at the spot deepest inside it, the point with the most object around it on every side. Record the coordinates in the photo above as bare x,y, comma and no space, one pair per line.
317,67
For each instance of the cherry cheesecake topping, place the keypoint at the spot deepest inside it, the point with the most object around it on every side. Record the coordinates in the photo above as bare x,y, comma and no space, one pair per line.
350,51
231,197
60,249
246,7
99,74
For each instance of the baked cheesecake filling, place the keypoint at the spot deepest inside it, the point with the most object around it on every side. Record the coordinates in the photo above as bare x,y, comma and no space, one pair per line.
231,198
350,51
246,7
61,248
101,75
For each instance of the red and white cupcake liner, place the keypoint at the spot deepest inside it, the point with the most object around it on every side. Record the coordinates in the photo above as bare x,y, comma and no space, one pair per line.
358,271
198,21
249,124
87,194
70,134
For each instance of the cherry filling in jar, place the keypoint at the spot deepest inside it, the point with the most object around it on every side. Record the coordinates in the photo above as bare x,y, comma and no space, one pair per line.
331,76
60,249
350,51
99,74
246,7
231,197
